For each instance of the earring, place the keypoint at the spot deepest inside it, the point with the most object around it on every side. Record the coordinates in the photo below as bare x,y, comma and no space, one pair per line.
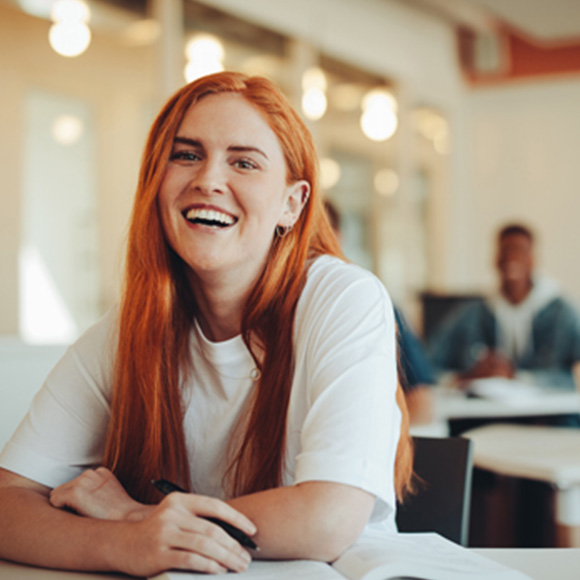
283,231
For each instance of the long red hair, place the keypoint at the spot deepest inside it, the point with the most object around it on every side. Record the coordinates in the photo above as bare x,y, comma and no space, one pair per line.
145,438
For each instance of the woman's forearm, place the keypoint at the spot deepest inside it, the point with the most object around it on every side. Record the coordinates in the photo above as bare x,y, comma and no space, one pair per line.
34,532
173,534
313,520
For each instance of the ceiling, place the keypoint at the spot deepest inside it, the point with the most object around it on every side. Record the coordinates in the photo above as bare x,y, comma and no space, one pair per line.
543,21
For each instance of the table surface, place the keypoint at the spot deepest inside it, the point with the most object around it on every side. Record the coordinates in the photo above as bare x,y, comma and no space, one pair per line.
550,454
11,571
452,403
538,564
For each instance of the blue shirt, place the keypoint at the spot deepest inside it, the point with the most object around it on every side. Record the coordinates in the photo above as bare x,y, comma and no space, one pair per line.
472,329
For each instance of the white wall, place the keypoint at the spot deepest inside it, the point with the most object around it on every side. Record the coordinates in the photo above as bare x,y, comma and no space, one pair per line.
115,81
521,153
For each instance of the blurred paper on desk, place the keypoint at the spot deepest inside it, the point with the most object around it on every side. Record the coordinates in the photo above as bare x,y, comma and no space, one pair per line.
501,389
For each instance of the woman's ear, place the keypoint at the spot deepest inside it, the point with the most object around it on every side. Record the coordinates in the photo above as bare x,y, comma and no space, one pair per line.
297,195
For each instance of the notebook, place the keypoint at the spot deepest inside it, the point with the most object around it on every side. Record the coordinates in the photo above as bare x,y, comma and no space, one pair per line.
423,556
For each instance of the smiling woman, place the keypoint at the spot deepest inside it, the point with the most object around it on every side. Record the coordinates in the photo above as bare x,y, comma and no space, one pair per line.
228,161
255,370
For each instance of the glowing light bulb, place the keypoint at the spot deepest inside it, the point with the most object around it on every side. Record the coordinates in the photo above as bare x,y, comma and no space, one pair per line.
205,55
314,101
379,124
314,104
205,47
379,119
69,39
70,35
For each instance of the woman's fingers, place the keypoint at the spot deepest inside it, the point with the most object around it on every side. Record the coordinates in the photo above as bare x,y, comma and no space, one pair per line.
188,513
188,561
216,535
95,493
172,537
211,546
205,506
184,529
73,492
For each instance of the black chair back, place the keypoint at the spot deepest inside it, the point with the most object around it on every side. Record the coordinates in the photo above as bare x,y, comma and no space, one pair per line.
444,468
438,307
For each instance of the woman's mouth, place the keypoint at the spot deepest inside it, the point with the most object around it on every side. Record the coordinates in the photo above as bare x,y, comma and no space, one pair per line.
209,217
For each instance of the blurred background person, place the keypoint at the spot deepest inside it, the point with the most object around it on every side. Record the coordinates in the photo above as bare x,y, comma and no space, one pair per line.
527,331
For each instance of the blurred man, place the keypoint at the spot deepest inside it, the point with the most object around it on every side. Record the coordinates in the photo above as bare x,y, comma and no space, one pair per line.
526,331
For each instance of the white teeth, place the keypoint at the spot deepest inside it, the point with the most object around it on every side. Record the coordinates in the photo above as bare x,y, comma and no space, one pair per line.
209,215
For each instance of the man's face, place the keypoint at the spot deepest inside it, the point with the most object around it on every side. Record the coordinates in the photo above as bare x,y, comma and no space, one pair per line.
515,260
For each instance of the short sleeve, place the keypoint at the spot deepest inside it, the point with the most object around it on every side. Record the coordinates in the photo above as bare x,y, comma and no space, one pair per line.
352,422
64,431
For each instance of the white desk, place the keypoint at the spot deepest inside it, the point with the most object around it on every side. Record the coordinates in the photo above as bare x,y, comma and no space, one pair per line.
451,403
538,564
548,454
10,571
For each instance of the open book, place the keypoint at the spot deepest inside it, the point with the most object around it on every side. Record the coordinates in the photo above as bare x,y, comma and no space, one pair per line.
423,556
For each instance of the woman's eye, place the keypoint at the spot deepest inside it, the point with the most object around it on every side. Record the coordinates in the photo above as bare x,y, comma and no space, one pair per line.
184,156
245,164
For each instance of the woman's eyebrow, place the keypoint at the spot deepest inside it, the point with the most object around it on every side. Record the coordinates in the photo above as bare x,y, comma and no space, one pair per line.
237,148
246,148
187,141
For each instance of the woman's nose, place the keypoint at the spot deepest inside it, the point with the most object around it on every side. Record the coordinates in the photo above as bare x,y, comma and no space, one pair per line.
210,178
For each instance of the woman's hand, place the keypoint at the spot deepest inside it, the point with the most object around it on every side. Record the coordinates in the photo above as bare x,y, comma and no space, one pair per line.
97,493
176,535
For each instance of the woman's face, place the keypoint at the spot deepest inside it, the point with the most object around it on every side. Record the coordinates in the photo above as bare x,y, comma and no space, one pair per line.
225,191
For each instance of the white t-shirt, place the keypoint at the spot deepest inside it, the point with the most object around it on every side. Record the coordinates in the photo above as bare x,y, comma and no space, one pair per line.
343,420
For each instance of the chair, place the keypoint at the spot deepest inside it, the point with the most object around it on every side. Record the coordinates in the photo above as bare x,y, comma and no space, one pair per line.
438,307
441,504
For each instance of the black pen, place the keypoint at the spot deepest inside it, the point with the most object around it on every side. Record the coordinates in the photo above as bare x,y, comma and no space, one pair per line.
166,487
